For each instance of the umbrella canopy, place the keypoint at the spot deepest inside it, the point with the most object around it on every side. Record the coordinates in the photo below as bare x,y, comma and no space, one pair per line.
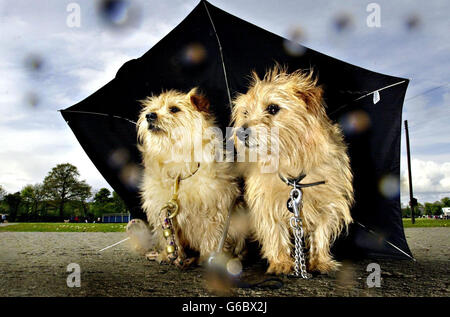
216,51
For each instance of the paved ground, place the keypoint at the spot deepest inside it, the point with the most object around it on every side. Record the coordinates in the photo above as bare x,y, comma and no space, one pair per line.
35,264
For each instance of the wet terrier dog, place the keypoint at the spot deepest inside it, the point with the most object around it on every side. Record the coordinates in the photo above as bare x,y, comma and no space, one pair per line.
308,143
173,129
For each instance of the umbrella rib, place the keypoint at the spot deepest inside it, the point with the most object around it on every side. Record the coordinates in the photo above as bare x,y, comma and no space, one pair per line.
387,241
368,94
99,114
221,55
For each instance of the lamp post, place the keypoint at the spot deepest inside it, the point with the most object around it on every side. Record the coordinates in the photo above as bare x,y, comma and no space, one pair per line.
412,200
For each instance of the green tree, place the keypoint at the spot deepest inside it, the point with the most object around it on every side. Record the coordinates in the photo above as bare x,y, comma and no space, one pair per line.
62,185
406,212
420,209
445,202
118,203
437,208
428,209
27,194
3,193
102,203
33,195
3,204
103,196
13,201
433,209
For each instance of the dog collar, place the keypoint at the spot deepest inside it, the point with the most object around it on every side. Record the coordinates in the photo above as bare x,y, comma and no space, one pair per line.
295,182
183,178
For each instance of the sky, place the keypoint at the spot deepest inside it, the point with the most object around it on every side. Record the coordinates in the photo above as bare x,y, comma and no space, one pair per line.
49,64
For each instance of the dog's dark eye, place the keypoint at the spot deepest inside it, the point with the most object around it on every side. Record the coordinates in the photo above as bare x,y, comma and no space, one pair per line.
174,109
273,109
245,112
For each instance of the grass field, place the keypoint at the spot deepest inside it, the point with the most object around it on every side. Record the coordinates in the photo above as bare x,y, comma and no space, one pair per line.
424,222
64,227
120,227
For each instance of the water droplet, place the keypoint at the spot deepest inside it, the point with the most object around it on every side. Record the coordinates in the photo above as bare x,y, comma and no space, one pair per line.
119,14
130,175
343,22
234,266
389,186
355,122
194,54
32,99
119,157
292,46
34,63
413,22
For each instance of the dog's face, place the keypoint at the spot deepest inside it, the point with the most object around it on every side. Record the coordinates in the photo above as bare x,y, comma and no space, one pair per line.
170,120
289,104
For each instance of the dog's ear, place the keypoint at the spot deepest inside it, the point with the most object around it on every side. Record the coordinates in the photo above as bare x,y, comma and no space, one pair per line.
313,98
199,101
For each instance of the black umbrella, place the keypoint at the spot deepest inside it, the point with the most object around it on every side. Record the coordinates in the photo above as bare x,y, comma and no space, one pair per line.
217,51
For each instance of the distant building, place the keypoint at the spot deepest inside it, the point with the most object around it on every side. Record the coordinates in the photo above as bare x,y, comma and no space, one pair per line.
115,218
446,212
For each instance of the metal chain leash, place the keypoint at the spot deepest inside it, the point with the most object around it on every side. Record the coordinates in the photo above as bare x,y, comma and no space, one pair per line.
295,205
299,256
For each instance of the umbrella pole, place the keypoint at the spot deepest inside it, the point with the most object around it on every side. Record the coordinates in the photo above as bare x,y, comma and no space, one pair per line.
412,200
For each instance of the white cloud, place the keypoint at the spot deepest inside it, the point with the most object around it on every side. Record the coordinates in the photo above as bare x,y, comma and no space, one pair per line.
27,156
431,180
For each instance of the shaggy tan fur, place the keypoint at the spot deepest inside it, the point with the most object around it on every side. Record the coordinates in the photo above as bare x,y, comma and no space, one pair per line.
309,143
141,238
167,146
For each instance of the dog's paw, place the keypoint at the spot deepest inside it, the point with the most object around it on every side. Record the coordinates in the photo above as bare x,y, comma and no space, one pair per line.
136,225
142,239
162,258
280,268
324,266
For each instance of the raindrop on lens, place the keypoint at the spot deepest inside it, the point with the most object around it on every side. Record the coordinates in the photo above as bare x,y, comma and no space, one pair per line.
34,63
234,266
114,11
119,157
355,122
194,54
130,175
389,186
119,14
292,46
342,22
412,22
32,99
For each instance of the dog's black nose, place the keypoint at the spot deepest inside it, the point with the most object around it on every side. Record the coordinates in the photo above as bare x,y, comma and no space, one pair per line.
151,116
244,133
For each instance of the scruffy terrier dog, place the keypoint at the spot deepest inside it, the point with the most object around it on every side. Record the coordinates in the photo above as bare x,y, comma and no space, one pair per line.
309,143
169,128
